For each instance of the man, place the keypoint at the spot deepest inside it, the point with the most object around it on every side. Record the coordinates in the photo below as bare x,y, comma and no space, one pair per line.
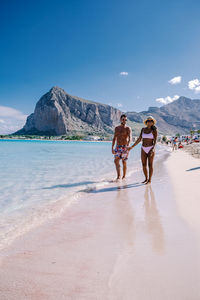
123,137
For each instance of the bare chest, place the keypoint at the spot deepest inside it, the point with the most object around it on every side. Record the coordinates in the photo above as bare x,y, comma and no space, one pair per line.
122,132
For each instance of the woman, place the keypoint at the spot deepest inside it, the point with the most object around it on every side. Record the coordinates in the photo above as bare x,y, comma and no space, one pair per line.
174,143
148,136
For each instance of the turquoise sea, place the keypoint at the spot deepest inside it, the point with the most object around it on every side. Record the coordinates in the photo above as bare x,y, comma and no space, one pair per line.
39,179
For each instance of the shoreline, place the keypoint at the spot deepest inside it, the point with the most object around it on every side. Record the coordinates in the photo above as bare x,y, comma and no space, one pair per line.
123,241
43,140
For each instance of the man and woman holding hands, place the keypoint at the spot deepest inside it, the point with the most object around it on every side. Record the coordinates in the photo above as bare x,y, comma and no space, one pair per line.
122,139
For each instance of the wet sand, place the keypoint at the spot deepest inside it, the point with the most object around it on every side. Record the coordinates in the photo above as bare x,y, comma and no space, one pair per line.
125,241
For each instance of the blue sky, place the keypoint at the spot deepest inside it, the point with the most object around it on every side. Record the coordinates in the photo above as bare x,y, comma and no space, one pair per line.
83,46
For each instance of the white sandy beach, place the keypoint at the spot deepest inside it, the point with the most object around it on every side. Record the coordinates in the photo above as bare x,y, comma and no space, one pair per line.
124,241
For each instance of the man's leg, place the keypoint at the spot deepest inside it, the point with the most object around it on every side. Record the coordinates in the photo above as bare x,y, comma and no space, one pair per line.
124,168
117,164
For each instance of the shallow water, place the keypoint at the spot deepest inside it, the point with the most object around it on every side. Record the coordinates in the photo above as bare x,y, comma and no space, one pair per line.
39,179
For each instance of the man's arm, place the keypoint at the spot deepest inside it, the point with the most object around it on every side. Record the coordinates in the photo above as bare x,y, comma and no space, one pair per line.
113,141
129,139
137,141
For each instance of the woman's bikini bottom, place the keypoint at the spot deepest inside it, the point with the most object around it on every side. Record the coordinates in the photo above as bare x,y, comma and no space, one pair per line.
147,149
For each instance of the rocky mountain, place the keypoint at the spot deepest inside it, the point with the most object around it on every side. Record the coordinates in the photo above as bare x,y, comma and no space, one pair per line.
58,113
177,117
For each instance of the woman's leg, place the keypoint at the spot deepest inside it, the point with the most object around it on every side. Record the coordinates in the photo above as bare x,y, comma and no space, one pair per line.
150,164
144,164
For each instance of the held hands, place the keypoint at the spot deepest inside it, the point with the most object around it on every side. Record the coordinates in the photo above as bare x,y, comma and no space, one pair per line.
130,147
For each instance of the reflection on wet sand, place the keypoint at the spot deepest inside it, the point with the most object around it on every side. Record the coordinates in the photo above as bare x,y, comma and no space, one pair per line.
153,221
127,272
125,221
124,216
125,230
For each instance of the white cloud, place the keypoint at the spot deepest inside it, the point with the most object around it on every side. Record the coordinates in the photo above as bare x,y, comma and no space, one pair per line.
175,80
119,105
6,111
11,119
197,90
194,85
123,73
167,99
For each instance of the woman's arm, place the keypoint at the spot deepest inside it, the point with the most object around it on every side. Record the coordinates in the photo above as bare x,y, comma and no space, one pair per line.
155,133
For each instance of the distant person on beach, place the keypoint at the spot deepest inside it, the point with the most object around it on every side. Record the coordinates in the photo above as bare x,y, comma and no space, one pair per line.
122,138
174,143
148,136
180,145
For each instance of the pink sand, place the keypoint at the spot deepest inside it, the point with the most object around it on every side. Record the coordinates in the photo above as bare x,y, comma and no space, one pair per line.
125,242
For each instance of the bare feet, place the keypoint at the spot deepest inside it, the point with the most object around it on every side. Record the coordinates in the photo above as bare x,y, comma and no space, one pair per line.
148,182
145,181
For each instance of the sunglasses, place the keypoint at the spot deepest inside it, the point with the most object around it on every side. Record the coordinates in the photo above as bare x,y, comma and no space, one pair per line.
148,121
123,119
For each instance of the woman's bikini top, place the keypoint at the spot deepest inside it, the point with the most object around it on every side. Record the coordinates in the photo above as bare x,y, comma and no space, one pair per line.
147,135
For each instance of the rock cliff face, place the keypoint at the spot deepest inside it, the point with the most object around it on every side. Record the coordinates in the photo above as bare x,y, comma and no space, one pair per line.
58,113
